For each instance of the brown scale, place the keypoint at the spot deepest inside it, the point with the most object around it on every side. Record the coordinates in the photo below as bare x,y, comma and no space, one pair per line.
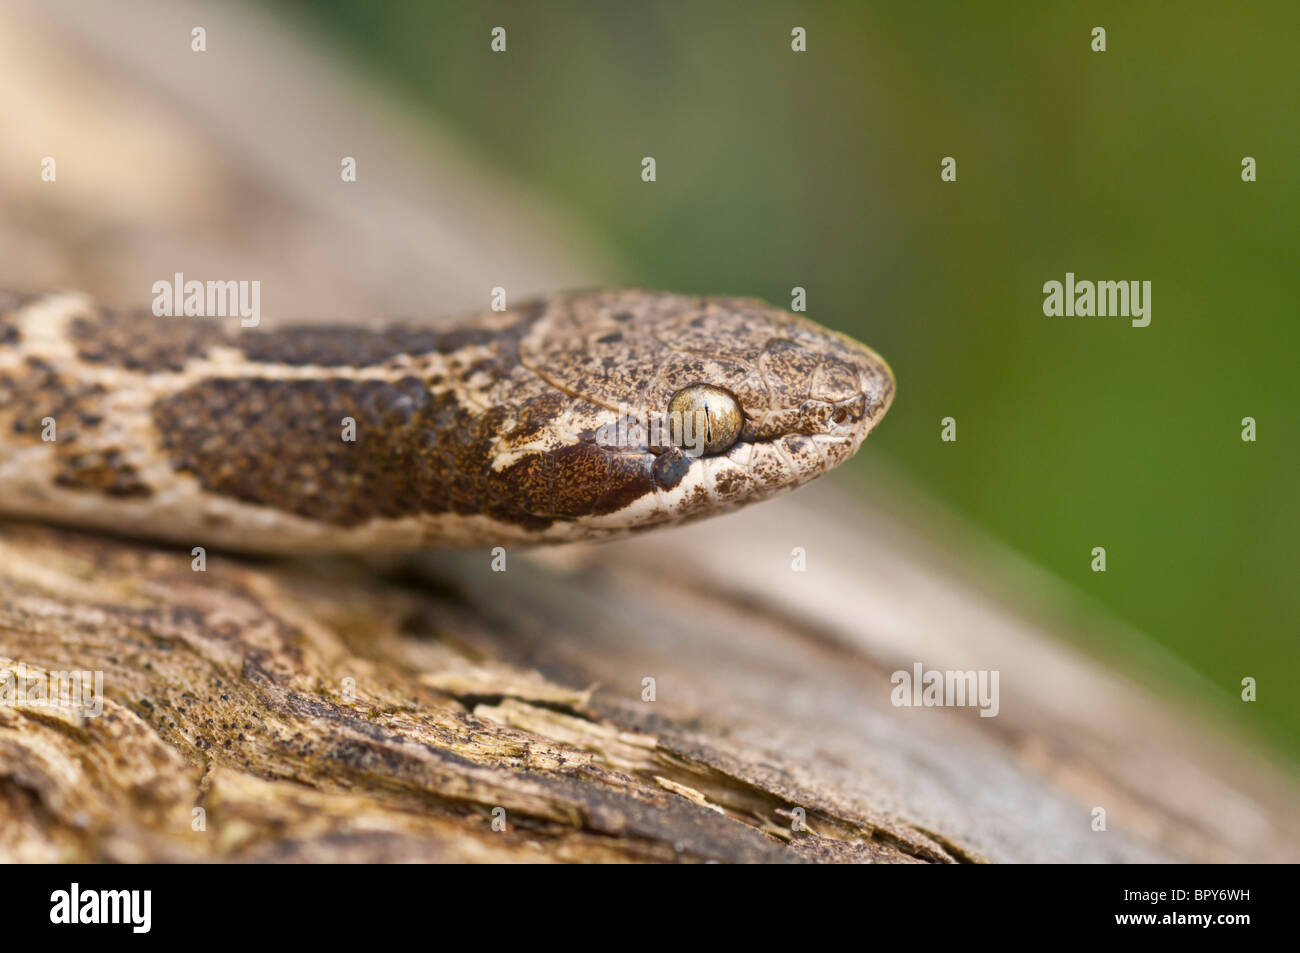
36,392
140,341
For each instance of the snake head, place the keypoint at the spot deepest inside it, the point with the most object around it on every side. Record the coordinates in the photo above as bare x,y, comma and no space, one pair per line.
685,406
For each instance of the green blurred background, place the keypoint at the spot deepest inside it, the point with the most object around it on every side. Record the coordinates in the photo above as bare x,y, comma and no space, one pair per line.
821,169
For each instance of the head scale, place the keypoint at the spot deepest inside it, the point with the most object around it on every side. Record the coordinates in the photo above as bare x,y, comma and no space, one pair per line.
781,401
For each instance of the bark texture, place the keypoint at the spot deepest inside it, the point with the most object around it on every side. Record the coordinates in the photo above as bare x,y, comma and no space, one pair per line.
328,711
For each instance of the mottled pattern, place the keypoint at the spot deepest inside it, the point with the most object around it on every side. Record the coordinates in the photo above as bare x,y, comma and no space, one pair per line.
142,341
497,429
35,393
105,471
282,445
35,390
362,347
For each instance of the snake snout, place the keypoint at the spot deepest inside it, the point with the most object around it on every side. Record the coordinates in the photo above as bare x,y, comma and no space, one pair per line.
875,384
857,386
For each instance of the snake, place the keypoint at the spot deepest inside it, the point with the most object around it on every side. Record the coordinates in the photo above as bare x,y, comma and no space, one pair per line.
573,416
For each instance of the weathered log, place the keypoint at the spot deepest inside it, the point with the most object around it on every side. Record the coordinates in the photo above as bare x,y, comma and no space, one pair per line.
326,712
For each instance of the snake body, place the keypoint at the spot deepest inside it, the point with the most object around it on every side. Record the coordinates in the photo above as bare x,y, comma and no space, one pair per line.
493,430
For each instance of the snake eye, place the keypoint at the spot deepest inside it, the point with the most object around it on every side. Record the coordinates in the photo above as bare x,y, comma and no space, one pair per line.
702,410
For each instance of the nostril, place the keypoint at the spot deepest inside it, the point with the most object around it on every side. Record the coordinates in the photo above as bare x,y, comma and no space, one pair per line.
840,416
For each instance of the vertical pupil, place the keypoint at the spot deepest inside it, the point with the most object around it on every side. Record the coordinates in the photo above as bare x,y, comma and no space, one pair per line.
718,432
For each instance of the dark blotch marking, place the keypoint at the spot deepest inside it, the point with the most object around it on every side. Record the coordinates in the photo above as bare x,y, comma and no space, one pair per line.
352,347
340,347
627,479
279,443
670,467
535,415
579,480
728,482
37,391
142,341
104,471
